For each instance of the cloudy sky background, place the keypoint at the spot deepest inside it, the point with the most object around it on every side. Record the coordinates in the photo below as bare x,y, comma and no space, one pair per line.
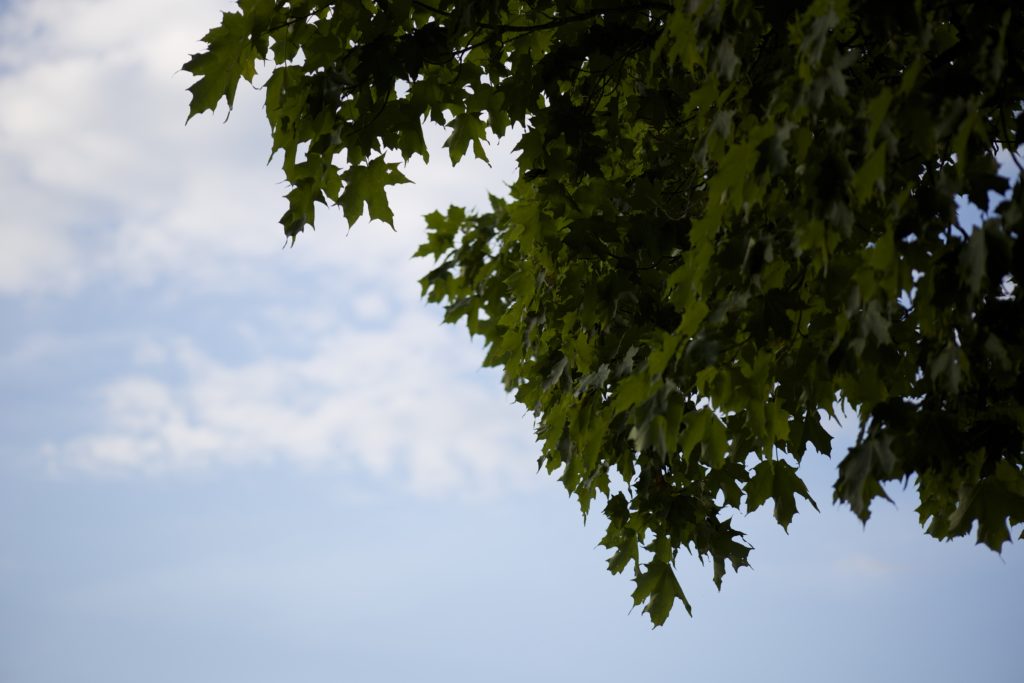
222,459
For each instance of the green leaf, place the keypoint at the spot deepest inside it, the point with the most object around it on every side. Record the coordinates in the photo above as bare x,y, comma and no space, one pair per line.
759,488
786,485
871,175
861,473
230,56
777,480
631,391
466,129
973,260
696,428
658,587
365,185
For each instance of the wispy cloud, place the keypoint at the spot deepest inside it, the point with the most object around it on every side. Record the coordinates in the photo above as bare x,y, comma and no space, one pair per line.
864,567
394,402
106,181
108,189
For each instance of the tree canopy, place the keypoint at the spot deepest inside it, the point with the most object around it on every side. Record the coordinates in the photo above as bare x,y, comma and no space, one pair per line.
731,218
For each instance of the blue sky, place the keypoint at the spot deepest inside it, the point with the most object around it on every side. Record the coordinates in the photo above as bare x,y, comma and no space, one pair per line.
227,460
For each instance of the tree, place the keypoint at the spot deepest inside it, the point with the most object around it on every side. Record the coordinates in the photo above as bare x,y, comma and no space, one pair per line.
731,217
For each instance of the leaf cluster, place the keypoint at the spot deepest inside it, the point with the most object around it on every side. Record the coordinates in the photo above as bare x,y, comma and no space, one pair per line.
731,217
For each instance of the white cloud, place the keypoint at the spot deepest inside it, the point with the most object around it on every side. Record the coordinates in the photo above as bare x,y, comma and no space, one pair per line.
36,259
91,137
112,190
405,401
863,566
108,182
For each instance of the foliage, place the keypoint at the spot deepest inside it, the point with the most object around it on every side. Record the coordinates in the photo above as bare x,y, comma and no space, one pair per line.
731,217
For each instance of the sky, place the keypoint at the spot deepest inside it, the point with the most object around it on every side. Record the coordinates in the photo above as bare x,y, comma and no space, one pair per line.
225,459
